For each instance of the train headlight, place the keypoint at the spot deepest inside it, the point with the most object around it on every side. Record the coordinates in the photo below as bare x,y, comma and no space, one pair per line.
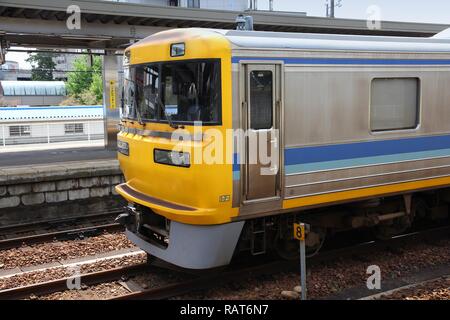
123,147
172,158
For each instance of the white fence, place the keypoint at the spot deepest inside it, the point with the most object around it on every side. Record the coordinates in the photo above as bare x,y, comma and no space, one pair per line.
20,133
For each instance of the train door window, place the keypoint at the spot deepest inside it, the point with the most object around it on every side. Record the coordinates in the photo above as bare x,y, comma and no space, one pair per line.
394,104
261,100
19,131
73,128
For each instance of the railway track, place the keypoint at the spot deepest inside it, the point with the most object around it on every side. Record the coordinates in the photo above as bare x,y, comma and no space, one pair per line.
61,284
61,229
210,280
409,287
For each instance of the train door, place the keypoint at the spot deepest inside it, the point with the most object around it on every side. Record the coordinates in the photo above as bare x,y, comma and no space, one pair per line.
261,115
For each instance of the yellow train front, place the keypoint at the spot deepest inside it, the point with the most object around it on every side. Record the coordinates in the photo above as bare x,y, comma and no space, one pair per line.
357,125
180,207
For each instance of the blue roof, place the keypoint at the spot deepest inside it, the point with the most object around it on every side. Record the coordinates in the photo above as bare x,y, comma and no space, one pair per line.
22,114
33,88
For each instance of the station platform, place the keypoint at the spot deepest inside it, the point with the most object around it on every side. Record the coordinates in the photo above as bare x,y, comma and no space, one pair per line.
52,156
56,184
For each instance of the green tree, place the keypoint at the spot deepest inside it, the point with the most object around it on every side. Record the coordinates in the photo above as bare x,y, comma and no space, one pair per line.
42,66
96,87
85,83
80,79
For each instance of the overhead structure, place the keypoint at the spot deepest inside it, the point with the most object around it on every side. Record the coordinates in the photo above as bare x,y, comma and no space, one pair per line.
112,25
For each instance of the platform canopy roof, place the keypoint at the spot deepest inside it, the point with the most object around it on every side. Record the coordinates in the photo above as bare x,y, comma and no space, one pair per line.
112,25
54,113
32,88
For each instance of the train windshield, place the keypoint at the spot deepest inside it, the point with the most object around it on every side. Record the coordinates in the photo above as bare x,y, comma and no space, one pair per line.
180,92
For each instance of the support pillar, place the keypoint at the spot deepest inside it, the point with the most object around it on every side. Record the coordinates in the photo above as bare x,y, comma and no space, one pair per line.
112,70
3,47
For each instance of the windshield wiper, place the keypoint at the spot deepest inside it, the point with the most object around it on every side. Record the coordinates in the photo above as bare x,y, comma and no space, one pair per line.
138,112
158,100
168,116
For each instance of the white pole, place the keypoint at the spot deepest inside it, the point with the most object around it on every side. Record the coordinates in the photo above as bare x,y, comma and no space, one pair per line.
303,264
3,135
48,132
89,131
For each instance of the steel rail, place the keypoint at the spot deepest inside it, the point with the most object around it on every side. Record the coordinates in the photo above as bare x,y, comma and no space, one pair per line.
35,224
59,235
61,284
69,233
208,281
415,236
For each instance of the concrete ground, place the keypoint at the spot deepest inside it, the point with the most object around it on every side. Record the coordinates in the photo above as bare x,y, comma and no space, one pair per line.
51,146
34,157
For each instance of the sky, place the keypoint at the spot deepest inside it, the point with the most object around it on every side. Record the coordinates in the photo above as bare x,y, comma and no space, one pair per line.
431,11
425,11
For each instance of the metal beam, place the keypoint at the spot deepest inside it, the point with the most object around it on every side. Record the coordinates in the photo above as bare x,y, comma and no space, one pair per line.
119,20
90,17
17,12
106,19
31,13
51,31
64,52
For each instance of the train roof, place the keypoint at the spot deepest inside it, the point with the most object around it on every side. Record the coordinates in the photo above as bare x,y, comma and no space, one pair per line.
21,114
313,41
440,43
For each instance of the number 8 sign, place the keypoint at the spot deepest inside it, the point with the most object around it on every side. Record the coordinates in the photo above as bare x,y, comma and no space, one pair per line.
299,231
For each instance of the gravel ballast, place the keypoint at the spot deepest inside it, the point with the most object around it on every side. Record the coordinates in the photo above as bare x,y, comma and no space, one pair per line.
62,250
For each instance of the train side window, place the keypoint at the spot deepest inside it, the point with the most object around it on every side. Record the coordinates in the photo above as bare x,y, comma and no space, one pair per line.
261,100
394,104
147,91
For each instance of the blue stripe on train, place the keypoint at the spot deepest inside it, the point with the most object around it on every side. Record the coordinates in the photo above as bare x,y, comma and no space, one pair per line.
364,149
236,164
348,61
328,157
358,162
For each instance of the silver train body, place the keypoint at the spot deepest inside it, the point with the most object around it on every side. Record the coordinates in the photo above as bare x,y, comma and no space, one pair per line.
360,118
324,91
